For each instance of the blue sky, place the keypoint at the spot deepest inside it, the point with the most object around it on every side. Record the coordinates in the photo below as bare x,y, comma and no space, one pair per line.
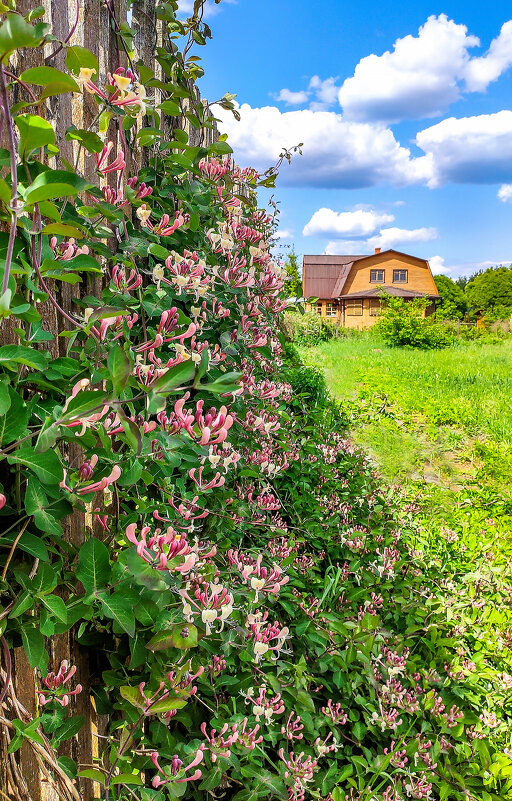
405,111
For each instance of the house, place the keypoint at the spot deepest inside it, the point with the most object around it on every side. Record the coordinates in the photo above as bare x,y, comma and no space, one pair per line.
349,288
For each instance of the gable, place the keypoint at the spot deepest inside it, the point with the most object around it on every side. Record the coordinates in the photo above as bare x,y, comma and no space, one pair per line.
329,277
419,277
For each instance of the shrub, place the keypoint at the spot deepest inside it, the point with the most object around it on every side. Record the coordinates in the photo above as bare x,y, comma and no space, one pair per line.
402,324
310,382
308,328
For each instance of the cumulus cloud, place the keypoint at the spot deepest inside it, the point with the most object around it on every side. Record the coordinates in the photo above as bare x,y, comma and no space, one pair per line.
361,222
437,265
323,93
386,238
186,8
283,233
336,153
326,92
390,237
469,149
419,78
505,193
483,70
424,74
292,98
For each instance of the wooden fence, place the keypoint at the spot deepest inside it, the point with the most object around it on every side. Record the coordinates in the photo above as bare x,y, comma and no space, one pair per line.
24,776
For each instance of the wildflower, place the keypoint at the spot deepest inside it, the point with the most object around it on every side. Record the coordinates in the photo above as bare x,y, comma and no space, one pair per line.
54,683
176,769
211,602
118,164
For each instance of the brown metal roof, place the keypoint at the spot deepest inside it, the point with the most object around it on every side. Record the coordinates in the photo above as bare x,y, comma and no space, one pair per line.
394,291
325,276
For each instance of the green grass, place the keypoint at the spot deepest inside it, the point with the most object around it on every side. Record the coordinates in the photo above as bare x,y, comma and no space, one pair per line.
441,415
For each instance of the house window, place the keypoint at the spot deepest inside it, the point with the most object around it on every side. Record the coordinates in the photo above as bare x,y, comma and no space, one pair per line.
354,308
375,307
331,310
377,276
318,309
399,276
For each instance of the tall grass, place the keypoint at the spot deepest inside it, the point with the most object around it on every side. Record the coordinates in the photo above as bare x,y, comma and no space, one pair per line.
423,414
468,386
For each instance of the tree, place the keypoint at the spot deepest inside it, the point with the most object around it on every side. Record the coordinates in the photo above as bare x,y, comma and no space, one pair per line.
294,285
491,290
455,303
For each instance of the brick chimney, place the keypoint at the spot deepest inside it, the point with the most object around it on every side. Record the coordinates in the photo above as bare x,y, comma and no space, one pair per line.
377,250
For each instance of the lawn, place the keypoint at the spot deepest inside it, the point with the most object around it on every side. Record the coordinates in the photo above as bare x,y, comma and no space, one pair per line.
443,415
438,425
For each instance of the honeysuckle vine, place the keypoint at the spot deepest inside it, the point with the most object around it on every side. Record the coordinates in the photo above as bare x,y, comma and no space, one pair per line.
253,620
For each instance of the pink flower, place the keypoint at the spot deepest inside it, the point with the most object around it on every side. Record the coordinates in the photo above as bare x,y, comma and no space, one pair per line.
54,683
118,164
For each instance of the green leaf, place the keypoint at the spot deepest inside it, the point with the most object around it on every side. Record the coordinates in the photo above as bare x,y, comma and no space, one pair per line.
36,503
83,404
93,568
15,32
120,609
171,108
11,355
94,775
30,544
229,382
46,466
55,183
24,602
61,229
35,132
69,728
220,148
5,398
77,57
88,139
80,264
13,423
183,373
132,695
56,606
55,81
168,704
128,778
33,642
173,638
119,367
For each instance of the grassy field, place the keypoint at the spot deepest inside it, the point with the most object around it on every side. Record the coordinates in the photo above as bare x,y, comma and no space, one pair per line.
444,416
438,425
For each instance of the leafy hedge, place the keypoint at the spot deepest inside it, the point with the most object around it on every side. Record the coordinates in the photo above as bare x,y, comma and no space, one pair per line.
402,323
254,621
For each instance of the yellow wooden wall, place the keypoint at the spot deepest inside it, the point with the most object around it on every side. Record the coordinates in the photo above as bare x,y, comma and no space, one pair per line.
419,276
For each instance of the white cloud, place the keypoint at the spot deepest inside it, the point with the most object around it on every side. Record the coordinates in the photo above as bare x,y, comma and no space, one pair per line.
424,74
437,265
361,222
326,92
292,98
283,234
341,247
336,152
419,78
505,193
469,149
389,237
483,70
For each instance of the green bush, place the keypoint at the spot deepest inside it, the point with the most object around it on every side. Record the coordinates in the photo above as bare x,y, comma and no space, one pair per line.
308,328
402,324
309,382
